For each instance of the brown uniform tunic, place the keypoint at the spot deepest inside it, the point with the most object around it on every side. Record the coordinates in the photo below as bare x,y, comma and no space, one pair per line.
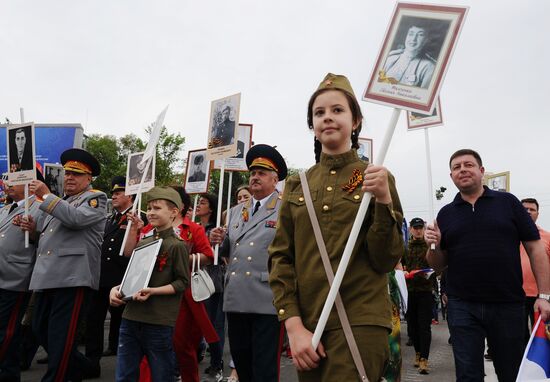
297,276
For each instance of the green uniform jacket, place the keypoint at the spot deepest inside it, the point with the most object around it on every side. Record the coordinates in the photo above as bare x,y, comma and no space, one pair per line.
171,267
297,276
415,258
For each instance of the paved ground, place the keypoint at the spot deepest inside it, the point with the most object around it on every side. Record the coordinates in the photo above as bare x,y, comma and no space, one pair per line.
441,363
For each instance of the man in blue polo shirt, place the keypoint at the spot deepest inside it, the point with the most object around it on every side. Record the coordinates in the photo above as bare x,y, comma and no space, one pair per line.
477,237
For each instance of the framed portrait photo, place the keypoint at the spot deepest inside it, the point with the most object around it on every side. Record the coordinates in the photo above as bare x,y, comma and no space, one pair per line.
139,270
415,55
238,161
222,132
197,173
134,173
54,173
498,182
364,152
421,121
21,153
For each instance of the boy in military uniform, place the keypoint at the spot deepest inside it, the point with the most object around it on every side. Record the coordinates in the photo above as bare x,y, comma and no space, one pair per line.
69,235
113,267
149,317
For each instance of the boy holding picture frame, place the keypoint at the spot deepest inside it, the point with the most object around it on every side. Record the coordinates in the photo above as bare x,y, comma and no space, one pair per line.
149,317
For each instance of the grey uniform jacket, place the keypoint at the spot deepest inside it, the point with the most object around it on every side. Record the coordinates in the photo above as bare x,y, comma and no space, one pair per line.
246,281
16,261
69,245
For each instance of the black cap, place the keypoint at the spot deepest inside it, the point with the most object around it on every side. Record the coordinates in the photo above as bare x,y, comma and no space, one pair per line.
265,156
198,159
118,183
417,222
80,161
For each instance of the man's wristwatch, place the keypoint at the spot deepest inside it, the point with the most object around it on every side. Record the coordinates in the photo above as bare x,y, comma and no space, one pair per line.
544,296
45,196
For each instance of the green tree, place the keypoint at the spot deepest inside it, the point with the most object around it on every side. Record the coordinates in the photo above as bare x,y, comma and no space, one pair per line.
107,151
112,154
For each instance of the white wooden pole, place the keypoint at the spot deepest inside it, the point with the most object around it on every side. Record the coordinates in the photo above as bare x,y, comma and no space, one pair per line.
195,207
22,116
430,181
359,218
229,197
219,216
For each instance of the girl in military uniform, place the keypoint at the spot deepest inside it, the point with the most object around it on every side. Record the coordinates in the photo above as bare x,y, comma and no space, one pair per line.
297,277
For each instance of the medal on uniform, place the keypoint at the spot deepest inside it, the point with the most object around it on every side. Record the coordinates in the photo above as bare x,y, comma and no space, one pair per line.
355,180
244,214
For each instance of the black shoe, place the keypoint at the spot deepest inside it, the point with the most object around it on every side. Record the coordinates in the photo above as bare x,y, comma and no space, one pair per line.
42,361
94,371
488,357
109,353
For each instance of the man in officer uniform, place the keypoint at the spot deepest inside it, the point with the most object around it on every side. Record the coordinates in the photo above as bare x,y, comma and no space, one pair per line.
254,330
410,65
113,267
16,264
69,234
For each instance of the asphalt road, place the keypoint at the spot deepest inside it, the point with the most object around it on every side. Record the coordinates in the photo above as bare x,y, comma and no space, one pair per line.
441,363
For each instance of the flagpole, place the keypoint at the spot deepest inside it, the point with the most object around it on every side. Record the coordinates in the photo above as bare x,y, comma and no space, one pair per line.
430,181
533,332
359,218
219,215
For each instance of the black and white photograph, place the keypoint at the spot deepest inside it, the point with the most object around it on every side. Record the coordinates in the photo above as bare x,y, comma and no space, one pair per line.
139,269
415,55
421,121
197,173
244,141
21,153
53,175
364,152
222,133
134,173
498,182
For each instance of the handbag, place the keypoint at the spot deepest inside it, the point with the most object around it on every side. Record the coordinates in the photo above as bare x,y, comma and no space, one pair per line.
202,286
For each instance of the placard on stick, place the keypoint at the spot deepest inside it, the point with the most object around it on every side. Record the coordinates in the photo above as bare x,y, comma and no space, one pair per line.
421,121
21,153
415,56
499,181
54,176
365,150
238,161
197,173
134,173
224,117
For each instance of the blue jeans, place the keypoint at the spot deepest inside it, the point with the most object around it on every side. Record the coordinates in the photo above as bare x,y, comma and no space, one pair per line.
502,323
137,339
